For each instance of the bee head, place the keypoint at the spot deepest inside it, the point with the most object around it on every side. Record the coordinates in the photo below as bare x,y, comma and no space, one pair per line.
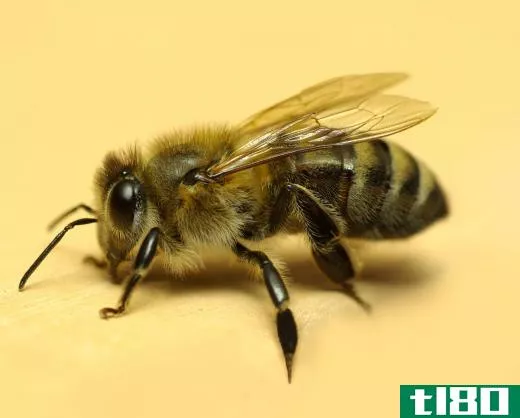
122,204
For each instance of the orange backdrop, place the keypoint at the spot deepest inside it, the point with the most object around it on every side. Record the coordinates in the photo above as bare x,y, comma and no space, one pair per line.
80,78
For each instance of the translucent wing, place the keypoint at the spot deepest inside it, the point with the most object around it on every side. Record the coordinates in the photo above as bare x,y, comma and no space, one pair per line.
375,117
331,93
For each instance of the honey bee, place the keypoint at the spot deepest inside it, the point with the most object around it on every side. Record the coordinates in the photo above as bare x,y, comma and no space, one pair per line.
316,163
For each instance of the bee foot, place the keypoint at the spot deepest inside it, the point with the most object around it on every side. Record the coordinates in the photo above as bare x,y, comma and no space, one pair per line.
288,364
288,337
107,313
349,289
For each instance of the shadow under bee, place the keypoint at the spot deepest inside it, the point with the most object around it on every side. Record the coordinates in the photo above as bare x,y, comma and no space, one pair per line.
386,270
379,270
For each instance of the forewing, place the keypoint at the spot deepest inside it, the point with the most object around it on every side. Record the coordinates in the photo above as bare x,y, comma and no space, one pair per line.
335,92
375,117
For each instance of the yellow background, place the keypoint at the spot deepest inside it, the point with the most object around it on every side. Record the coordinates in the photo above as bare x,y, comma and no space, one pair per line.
79,78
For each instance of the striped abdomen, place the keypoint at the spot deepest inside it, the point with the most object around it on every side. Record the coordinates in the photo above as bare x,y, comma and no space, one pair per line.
379,188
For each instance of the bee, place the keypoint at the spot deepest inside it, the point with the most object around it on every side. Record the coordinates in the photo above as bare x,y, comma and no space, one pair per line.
316,164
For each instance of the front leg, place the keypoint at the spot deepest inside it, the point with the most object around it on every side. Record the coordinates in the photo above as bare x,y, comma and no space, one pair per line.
99,263
286,326
331,257
143,260
110,264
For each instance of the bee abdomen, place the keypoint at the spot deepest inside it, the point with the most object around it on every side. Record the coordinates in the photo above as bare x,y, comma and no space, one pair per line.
378,188
402,203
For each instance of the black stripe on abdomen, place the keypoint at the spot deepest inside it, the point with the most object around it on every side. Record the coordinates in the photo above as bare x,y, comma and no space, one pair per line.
431,204
402,196
371,166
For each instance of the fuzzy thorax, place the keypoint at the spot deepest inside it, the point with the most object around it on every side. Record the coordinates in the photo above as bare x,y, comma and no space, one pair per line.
189,216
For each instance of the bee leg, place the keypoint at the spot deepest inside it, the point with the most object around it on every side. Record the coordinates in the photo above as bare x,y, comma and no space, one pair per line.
95,261
330,256
334,261
285,323
143,260
102,264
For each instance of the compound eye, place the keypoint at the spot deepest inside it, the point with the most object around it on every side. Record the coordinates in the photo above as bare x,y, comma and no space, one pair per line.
124,203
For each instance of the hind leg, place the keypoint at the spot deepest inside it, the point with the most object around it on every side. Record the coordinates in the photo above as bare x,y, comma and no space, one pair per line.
334,261
331,257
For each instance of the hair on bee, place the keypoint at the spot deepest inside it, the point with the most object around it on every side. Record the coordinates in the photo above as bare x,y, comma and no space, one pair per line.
318,164
129,159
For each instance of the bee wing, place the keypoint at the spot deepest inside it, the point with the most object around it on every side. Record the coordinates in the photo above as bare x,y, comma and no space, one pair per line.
341,125
331,93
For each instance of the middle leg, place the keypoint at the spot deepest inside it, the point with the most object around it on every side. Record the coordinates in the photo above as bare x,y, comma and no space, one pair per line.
286,326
